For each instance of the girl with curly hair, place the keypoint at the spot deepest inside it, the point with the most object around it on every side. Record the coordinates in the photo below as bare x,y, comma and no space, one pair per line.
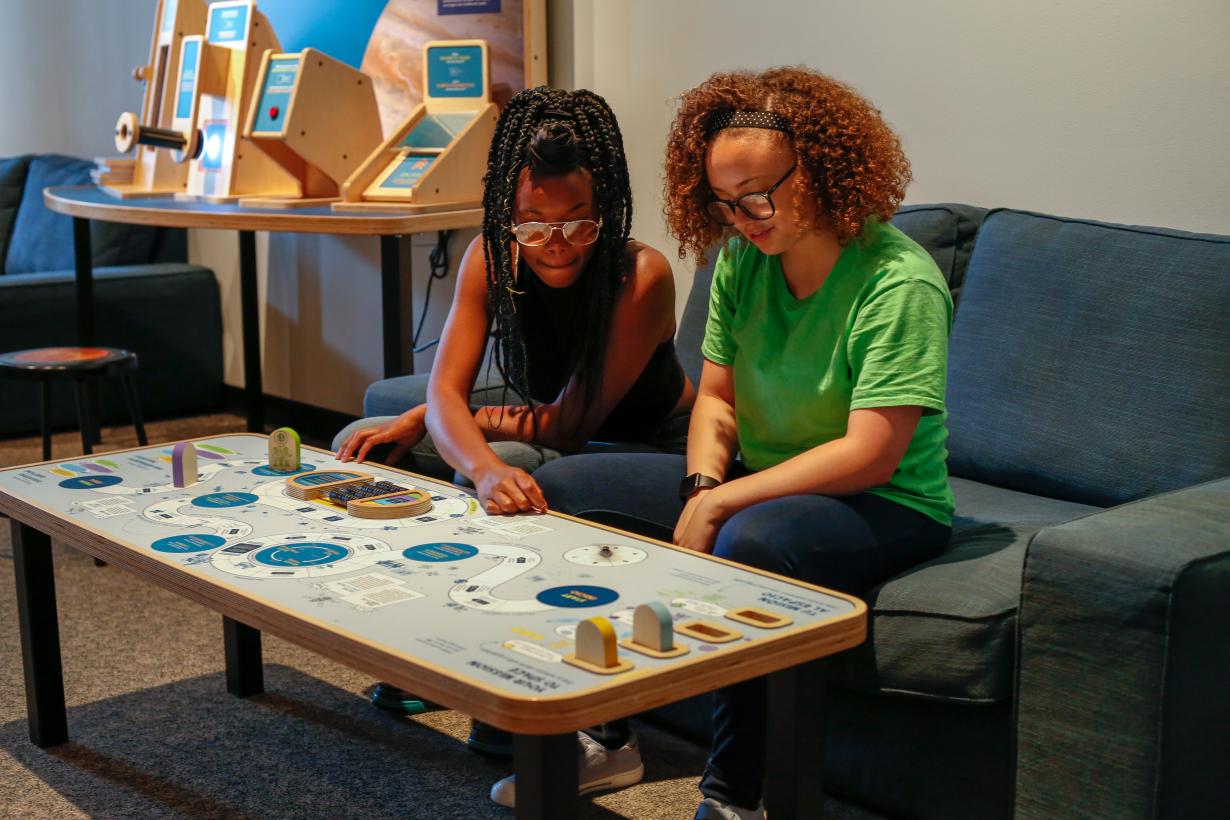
816,444
582,321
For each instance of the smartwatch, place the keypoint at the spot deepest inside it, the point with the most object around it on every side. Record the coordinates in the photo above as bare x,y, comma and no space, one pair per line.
696,481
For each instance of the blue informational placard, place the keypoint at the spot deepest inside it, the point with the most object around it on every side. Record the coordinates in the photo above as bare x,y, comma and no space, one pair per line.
455,72
228,24
168,15
468,6
275,96
409,171
187,79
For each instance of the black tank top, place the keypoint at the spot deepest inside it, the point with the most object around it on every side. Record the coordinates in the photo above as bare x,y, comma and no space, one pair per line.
553,323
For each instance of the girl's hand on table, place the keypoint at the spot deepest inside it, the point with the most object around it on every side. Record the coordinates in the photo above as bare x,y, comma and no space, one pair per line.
403,432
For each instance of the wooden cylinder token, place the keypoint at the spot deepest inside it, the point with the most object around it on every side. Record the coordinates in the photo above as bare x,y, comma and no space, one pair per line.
183,464
653,632
597,649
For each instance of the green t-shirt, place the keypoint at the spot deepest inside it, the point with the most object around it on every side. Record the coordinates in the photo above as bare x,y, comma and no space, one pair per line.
874,335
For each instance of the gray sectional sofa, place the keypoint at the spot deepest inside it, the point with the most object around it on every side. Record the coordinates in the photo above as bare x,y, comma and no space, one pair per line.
147,300
1068,656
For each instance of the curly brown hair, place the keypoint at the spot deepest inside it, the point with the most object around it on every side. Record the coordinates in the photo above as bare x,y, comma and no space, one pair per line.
852,160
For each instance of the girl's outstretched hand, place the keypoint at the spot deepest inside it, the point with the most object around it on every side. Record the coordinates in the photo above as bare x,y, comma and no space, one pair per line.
506,490
404,432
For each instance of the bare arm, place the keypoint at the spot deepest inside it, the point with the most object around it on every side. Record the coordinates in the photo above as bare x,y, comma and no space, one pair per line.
866,456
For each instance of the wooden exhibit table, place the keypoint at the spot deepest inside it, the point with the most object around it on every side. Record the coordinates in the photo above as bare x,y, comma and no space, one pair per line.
87,202
475,612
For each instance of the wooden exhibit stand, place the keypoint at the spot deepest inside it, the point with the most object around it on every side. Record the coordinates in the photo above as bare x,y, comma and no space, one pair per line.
86,202
436,159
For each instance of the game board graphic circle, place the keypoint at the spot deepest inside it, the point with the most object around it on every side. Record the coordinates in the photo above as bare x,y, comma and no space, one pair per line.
266,470
221,500
195,542
90,482
577,596
301,554
439,551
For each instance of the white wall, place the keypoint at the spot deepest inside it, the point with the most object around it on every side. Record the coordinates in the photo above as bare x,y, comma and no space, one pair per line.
67,68
1117,111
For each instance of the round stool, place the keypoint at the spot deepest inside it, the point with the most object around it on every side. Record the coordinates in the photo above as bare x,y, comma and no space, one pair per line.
48,364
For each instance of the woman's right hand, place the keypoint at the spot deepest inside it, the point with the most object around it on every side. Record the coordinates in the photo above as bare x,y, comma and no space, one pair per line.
404,432
505,490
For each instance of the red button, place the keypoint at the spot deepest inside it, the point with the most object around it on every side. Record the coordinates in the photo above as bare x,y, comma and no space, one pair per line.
273,113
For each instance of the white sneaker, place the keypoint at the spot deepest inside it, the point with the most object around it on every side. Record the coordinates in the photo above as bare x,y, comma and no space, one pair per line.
598,768
711,809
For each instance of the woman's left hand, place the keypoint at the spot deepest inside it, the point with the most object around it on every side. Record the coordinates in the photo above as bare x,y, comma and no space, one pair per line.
700,529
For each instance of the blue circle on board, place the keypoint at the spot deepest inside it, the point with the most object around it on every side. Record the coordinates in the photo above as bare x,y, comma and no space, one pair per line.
577,596
187,543
301,554
90,482
442,551
219,500
265,469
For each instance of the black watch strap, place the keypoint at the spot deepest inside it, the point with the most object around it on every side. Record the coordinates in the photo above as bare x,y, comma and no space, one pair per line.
696,481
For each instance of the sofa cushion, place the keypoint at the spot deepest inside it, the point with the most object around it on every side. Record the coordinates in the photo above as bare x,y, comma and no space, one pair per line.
947,231
42,240
12,182
946,629
1090,361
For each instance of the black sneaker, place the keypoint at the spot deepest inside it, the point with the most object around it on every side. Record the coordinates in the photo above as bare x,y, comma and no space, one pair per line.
398,701
485,739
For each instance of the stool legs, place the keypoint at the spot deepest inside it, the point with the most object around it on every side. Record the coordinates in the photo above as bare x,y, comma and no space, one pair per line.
134,407
83,416
45,390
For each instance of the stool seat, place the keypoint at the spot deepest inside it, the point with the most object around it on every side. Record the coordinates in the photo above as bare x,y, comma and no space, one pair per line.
48,364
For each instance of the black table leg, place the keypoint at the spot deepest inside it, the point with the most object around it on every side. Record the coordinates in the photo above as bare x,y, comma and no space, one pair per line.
397,360
40,635
546,769
253,388
84,417
83,259
83,256
244,674
134,407
794,760
45,390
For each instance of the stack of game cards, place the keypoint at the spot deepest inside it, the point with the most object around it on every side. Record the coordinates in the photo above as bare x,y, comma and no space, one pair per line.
310,486
383,500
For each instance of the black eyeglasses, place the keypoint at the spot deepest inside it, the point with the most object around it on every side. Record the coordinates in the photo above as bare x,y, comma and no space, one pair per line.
577,232
758,206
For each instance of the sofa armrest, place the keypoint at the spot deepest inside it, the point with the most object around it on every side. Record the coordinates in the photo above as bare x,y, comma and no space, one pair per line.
1124,661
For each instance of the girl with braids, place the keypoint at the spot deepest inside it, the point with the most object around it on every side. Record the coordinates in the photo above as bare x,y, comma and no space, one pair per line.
583,324
824,372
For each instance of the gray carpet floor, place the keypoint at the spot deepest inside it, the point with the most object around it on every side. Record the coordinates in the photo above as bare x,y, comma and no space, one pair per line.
154,733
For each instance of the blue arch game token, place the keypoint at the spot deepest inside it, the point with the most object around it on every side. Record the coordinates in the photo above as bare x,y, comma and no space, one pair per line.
577,596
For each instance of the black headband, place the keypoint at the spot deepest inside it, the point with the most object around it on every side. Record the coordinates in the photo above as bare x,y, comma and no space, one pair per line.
748,119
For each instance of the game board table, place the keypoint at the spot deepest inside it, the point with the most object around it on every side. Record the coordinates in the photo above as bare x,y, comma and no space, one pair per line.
86,202
371,595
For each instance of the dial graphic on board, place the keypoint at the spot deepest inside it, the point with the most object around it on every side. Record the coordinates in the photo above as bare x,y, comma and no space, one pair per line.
299,555
606,555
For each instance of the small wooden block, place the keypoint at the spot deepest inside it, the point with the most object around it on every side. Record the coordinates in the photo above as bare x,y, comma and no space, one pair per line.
653,632
759,617
284,450
400,504
597,649
183,464
707,631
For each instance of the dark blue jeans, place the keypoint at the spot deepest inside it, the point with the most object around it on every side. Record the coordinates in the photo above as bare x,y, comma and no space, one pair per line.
849,543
